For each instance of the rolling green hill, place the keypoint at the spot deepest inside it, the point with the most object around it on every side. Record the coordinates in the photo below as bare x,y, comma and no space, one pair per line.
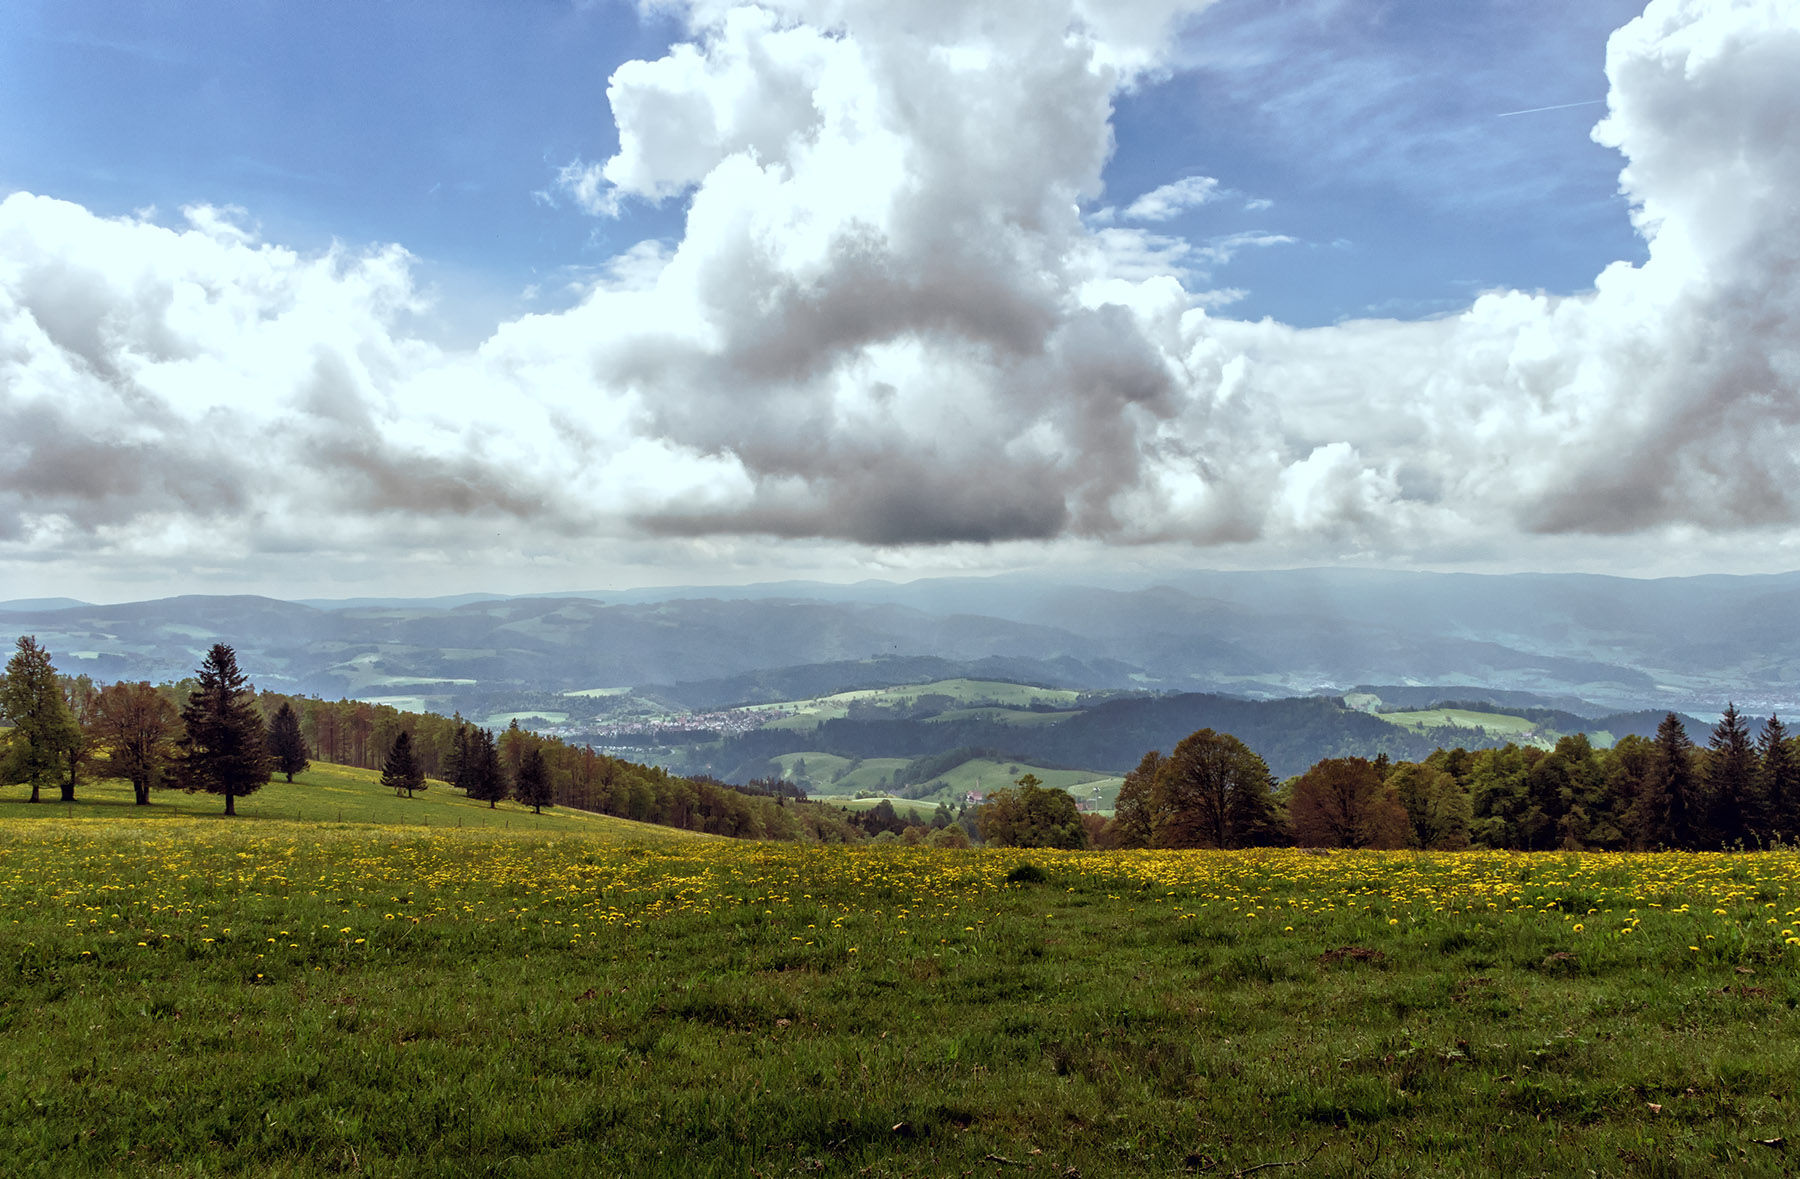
330,794
976,698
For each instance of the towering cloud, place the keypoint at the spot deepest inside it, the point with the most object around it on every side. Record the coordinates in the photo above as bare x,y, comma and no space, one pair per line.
888,321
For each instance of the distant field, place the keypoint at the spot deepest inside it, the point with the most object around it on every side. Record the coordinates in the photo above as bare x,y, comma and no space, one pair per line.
597,692
1431,718
403,703
831,780
188,997
828,773
502,719
809,714
913,806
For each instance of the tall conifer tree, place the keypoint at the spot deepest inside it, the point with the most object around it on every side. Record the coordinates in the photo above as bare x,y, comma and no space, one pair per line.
1732,813
534,781
1671,809
1778,780
486,781
401,770
44,730
225,748
287,745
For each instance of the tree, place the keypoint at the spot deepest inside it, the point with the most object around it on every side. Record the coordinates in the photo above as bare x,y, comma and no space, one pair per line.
1027,815
43,729
136,725
459,753
533,787
80,695
1343,802
1779,783
1134,820
485,781
225,748
287,746
1436,805
1212,791
1670,806
1732,807
401,770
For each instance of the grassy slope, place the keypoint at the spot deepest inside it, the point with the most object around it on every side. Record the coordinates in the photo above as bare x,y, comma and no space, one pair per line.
809,714
985,775
200,998
323,794
834,782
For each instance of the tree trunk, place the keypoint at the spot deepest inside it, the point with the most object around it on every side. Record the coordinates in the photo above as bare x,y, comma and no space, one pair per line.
230,802
34,792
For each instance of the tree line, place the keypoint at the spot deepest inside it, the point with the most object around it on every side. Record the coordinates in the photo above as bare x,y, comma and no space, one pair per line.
1211,791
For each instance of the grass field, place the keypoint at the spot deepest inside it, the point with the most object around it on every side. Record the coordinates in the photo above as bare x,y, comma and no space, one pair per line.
1496,723
920,810
984,775
826,773
199,997
323,794
810,714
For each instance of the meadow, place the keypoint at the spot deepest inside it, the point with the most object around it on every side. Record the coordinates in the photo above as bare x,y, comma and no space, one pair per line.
189,996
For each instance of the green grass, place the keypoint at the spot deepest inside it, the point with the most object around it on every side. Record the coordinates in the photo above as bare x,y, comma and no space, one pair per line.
501,719
986,775
827,773
1496,723
810,714
276,998
921,810
323,794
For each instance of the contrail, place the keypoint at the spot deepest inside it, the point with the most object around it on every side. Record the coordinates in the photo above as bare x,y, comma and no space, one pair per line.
1561,106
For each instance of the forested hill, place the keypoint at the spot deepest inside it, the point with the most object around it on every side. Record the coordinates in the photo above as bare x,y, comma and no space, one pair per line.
1290,734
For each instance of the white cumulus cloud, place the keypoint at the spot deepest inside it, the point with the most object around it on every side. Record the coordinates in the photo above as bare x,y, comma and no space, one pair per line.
886,322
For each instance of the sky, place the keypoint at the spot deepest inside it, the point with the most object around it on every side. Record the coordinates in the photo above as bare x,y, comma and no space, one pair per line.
350,298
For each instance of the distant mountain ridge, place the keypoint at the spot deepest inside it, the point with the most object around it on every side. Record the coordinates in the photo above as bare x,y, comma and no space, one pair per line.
1583,643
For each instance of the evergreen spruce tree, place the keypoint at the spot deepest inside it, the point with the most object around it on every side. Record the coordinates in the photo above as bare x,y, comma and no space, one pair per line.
486,782
534,781
1732,810
459,752
401,771
287,745
225,748
44,731
1778,780
1670,811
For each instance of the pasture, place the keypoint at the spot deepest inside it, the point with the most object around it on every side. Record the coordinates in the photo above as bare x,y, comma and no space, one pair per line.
1495,724
198,997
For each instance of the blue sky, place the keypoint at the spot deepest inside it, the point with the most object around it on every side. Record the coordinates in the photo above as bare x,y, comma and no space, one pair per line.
345,298
1371,127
